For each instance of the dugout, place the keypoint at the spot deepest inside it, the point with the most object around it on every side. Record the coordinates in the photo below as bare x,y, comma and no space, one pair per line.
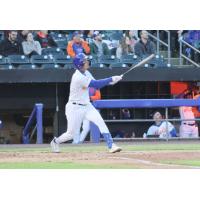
22,88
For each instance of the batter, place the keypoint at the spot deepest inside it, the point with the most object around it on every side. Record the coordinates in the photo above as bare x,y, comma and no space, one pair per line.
79,107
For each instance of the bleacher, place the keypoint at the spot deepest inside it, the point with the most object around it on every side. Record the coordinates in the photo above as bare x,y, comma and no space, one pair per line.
57,57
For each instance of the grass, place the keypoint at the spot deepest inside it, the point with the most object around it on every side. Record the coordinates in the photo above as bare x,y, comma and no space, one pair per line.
193,163
101,147
61,165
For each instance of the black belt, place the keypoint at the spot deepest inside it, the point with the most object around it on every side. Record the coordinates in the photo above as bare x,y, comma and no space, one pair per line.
189,124
79,104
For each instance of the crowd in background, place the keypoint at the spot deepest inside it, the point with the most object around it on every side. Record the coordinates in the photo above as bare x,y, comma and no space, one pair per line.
95,43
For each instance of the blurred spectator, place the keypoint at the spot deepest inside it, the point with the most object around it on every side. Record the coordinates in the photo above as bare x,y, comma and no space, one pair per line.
111,115
88,36
133,134
11,46
22,35
161,128
119,133
126,114
30,46
131,38
193,38
45,39
77,45
188,129
98,47
127,43
144,47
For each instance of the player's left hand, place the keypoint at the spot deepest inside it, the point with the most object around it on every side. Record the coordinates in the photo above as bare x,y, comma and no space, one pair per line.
116,79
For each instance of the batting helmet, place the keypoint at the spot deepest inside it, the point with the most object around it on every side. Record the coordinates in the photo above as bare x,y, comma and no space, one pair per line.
79,60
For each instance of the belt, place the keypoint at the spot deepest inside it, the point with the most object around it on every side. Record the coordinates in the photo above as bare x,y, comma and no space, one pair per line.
189,124
79,104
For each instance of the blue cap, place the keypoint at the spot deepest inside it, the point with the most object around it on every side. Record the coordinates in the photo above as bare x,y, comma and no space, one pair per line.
96,33
75,34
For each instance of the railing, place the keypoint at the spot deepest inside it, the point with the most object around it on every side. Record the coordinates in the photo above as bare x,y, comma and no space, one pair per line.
36,114
181,55
145,103
158,42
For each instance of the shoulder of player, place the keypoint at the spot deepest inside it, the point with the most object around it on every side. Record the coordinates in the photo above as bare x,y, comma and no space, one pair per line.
88,74
78,76
164,123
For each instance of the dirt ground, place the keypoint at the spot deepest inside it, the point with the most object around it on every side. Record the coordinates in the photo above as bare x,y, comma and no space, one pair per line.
137,159
131,159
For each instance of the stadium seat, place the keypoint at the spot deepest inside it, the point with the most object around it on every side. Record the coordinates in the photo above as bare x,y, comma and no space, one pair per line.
116,36
1,35
43,59
3,60
97,65
129,59
107,60
93,58
50,66
113,51
63,59
52,51
27,66
113,65
18,59
62,44
58,37
6,66
69,66
157,61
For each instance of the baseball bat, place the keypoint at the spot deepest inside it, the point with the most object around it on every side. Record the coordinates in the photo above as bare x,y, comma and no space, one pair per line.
139,64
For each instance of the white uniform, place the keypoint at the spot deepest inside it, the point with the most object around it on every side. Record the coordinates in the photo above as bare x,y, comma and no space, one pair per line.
80,137
79,107
161,130
188,129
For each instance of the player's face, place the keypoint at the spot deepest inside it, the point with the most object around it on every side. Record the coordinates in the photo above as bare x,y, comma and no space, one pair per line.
86,65
157,117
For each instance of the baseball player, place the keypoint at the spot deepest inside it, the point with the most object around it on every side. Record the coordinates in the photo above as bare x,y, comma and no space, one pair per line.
94,95
79,107
188,129
160,129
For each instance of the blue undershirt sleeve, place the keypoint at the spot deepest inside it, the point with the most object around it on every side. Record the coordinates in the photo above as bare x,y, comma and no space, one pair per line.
98,84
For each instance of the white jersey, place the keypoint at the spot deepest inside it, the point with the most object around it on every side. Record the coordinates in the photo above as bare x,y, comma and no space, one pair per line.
186,113
79,91
160,130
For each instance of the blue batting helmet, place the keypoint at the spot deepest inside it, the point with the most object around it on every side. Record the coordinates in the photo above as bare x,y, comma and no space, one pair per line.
79,60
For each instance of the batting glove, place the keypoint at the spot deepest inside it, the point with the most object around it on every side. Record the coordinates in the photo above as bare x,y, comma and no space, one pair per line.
116,79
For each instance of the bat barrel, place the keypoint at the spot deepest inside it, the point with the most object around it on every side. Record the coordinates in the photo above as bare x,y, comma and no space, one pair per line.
140,63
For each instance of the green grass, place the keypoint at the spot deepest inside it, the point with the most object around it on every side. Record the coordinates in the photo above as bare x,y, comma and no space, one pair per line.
193,163
61,165
102,148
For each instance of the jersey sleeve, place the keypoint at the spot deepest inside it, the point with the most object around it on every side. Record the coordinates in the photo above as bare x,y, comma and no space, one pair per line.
152,130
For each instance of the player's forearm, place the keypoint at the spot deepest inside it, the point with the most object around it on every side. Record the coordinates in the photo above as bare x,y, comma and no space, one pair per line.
98,84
